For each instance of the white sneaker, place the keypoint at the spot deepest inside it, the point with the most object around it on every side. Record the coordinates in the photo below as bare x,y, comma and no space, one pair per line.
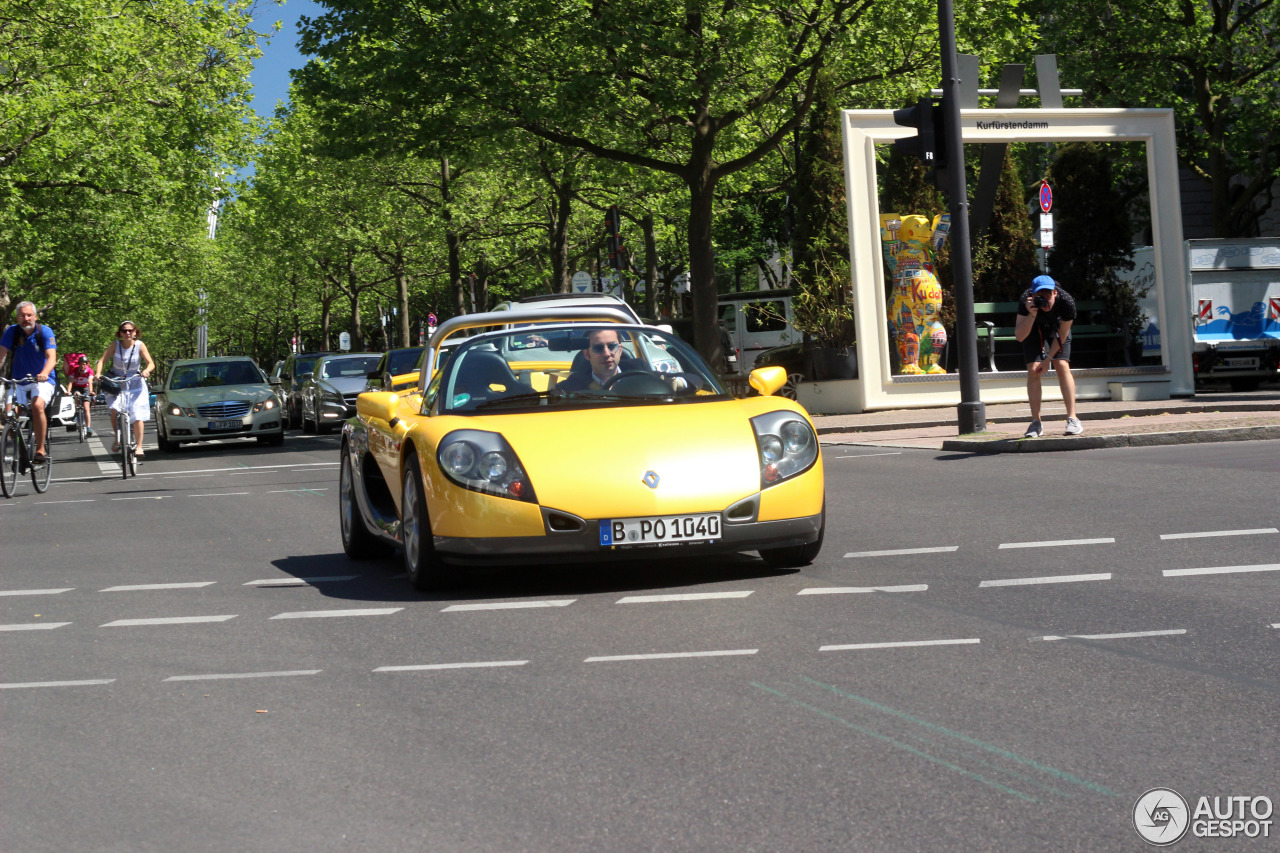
1073,426
1034,431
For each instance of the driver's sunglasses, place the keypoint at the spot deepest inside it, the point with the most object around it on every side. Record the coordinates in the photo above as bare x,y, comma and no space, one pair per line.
599,348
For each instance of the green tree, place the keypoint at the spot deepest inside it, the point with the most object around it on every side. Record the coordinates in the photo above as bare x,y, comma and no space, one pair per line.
1216,63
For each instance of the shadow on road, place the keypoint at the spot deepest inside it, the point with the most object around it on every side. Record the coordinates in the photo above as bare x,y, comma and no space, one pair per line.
383,580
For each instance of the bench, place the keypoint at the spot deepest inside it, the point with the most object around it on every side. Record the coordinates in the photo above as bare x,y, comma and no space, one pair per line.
1090,340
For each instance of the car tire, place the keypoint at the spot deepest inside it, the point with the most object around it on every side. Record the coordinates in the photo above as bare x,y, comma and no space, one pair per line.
422,563
357,541
162,437
797,556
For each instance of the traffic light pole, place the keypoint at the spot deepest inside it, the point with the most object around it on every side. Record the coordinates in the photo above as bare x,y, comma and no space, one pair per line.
971,414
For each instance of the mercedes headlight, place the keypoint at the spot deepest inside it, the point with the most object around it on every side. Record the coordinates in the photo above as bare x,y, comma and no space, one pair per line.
266,405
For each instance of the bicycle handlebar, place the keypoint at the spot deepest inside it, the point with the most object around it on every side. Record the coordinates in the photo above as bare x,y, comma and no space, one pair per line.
29,379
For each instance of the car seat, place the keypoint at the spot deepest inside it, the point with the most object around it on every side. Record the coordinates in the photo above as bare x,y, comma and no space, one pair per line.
480,370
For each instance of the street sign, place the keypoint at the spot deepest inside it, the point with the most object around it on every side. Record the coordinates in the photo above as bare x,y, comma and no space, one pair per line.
1275,307
1046,197
582,282
1046,230
431,319
1206,310
344,341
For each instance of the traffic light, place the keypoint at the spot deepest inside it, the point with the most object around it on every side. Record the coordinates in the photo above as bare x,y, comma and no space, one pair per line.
929,143
613,236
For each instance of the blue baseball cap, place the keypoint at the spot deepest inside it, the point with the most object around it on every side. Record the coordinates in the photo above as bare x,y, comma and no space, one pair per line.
1043,282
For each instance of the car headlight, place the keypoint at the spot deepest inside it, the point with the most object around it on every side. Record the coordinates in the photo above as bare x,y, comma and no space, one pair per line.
174,410
484,462
266,405
331,396
788,446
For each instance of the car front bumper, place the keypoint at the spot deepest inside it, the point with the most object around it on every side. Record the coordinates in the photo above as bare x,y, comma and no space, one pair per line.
182,428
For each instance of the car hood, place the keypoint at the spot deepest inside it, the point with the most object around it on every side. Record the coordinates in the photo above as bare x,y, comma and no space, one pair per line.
192,397
345,384
593,462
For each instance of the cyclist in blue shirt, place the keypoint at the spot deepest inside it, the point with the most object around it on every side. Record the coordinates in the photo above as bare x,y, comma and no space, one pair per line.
35,353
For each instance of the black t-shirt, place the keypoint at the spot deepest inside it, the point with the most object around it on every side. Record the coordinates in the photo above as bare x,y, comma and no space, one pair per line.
1064,308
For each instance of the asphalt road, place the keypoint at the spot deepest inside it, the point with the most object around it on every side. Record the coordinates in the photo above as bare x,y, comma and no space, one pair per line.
991,653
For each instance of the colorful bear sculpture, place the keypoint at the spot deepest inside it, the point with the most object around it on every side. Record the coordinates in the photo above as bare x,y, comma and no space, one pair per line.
910,245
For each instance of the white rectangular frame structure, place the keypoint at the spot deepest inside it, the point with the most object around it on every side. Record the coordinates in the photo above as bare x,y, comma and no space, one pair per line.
876,388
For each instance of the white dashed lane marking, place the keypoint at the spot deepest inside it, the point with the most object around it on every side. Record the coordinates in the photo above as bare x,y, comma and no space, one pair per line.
901,645
86,683
1126,636
325,614
301,581
685,596
1221,570
901,552
36,591
670,655
33,626
1057,543
509,605
166,620
1101,576
1210,533
840,590
219,495
470,665
231,675
154,586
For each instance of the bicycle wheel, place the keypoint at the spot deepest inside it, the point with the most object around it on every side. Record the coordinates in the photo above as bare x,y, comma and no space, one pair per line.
122,438
40,473
80,427
9,454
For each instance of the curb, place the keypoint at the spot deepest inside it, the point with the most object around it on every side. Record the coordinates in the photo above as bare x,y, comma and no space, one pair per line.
1097,415
1093,442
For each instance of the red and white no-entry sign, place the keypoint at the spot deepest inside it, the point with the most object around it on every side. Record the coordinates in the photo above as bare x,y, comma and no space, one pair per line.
1206,309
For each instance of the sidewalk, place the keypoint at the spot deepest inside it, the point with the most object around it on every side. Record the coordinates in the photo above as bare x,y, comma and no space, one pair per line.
1210,416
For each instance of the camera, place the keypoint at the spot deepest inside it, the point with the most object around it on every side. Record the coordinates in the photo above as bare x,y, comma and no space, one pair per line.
1040,301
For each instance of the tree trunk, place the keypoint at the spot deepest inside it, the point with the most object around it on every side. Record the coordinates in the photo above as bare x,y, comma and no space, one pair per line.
702,270
560,275
650,266
402,298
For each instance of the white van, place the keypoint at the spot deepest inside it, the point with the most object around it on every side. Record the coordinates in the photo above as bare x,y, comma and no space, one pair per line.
756,321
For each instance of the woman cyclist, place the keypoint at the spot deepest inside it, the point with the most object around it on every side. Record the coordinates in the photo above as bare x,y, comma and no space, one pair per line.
80,381
129,357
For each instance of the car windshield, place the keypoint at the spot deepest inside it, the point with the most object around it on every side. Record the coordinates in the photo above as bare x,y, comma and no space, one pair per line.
359,365
209,374
583,365
403,360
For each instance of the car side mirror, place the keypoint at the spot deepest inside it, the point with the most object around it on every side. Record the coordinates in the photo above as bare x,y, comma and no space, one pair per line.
306,376
377,405
767,380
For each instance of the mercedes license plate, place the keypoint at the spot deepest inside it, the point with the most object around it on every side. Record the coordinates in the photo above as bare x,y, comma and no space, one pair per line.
659,530
224,425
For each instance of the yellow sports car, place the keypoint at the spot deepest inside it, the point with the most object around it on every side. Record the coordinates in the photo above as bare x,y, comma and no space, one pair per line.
576,434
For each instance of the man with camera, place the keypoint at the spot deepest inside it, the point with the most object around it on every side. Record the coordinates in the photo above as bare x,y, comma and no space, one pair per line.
1045,315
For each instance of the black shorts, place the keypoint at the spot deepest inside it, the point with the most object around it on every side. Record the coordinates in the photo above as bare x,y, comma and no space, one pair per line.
1036,347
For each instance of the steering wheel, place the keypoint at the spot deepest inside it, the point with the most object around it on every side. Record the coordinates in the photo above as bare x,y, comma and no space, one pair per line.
637,382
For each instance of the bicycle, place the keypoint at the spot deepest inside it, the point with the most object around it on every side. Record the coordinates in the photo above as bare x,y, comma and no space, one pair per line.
124,426
82,429
16,440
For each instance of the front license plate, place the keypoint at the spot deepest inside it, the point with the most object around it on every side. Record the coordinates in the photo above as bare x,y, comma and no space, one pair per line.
657,530
1240,362
223,425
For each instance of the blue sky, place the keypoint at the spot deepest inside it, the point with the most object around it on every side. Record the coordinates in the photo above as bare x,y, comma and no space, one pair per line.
270,75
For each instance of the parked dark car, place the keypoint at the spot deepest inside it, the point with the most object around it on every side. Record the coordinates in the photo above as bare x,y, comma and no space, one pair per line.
287,381
402,362
328,393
